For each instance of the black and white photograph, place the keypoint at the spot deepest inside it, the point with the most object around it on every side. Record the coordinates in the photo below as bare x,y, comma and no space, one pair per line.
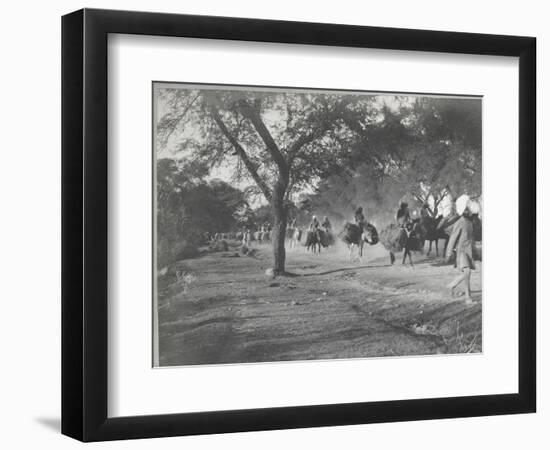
295,224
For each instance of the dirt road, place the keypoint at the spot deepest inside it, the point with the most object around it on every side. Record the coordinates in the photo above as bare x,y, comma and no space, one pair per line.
225,310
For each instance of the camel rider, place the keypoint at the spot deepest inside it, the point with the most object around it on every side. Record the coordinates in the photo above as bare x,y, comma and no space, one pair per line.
326,224
360,217
314,225
403,217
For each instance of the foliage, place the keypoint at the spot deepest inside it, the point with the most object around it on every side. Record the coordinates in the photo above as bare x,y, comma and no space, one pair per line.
446,158
260,133
425,151
188,207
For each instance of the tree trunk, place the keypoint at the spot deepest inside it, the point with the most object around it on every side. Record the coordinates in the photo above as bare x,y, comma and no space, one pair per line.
280,214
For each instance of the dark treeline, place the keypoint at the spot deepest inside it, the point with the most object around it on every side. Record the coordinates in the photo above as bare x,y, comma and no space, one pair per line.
188,207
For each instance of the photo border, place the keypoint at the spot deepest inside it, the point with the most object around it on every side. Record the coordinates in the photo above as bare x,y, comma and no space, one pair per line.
154,168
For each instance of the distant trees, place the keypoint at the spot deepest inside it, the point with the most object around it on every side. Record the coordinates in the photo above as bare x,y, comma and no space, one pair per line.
188,206
445,155
428,150
245,216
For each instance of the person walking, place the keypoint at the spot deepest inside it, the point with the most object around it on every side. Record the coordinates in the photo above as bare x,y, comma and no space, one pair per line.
403,219
462,241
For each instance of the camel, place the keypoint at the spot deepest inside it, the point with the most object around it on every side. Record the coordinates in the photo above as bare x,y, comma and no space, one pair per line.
294,236
396,239
316,239
356,236
435,230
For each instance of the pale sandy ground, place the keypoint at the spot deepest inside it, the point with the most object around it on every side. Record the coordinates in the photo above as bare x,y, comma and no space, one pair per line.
225,310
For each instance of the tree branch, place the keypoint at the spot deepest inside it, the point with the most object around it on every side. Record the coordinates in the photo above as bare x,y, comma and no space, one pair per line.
441,196
250,166
303,140
178,119
253,115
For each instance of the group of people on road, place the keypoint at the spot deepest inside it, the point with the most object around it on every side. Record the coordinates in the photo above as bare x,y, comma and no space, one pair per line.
461,240
322,230
314,225
460,247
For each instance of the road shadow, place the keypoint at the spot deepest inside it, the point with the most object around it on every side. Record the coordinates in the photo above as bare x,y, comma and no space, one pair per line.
440,263
52,423
289,275
344,269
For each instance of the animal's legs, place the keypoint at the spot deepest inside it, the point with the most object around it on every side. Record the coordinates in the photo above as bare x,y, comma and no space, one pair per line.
429,249
406,253
437,247
392,258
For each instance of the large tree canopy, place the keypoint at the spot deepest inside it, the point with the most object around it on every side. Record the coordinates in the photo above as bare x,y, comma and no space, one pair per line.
428,150
264,135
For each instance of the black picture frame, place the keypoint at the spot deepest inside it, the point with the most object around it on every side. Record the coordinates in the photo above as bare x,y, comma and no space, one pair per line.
84,224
